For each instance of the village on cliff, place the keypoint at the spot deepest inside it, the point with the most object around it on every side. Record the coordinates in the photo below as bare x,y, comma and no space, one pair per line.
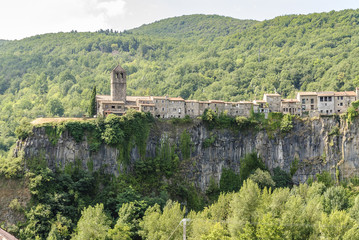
306,103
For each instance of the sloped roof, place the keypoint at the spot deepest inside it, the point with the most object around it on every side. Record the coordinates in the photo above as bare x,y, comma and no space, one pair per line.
272,94
119,69
307,93
331,93
6,236
346,93
290,100
176,99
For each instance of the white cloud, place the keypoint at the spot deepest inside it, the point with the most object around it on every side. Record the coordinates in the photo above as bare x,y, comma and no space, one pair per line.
20,18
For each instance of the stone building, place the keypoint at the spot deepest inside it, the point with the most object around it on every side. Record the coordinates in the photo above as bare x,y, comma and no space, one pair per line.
342,100
325,102
307,103
273,101
290,106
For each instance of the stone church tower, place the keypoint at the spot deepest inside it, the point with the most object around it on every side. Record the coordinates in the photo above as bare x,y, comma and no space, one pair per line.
118,84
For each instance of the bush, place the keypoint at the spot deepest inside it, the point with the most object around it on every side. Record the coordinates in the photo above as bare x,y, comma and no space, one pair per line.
229,181
281,178
24,130
262,178
325,178
250,163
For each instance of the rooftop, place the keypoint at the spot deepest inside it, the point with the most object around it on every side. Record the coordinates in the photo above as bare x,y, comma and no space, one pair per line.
307,93
346,93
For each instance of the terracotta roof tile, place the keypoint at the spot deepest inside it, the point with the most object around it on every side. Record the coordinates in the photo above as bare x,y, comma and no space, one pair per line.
307,93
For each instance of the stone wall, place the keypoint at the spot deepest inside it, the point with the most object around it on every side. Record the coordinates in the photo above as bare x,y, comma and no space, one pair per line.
309,142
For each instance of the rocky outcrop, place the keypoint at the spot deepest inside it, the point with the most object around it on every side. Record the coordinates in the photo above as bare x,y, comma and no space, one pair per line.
312,142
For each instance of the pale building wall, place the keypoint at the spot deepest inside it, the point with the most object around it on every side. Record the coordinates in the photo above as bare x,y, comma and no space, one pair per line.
326,103
342,102
176,108
273,102
192,108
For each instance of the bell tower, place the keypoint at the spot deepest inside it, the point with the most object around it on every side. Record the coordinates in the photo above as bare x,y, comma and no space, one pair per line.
118,84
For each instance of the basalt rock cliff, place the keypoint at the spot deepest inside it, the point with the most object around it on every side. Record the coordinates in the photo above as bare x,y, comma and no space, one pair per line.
327,143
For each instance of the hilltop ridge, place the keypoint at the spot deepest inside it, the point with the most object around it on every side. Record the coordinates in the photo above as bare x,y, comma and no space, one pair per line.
53,74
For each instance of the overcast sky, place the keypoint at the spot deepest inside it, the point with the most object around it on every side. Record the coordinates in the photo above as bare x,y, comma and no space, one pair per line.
24,18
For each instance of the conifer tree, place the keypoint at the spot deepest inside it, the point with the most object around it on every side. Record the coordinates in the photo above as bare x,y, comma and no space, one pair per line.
92,108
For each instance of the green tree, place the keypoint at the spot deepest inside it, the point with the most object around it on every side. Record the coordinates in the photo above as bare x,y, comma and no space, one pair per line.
55,108
93,224
335,198
262,178
249,164
92,109
334,225
158,225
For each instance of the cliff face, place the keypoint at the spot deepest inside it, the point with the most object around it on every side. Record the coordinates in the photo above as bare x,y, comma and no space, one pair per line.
314,143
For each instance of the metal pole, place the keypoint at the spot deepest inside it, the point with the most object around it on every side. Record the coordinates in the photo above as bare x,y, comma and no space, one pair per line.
184,229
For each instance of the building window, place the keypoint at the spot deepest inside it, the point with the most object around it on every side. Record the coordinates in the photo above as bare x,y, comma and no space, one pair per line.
174,109
119,107
329,99
162,101
338,110
312,101
303,101
325,99
113,107
321,99
341,104
341,98
311,107
163,109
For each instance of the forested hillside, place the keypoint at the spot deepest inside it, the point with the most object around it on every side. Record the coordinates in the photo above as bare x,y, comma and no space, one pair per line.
215,58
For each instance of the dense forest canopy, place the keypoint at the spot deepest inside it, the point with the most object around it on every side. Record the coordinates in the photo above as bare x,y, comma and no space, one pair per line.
195,57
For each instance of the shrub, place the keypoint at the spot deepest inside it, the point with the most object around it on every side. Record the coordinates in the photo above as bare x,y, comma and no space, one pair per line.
250,163
24,130
325,178
281,178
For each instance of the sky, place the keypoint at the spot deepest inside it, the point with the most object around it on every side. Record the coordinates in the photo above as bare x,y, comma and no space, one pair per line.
25,18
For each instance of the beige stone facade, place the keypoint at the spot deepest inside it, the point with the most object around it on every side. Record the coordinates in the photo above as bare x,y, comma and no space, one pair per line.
306,103
290,106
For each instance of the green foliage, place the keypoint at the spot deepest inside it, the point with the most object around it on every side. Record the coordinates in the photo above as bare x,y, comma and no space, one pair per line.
213,190
342,222
249,164
54,132
93,224
185,145
24,130
158,225
230,181
262,178
294,167
335,198
286,124
281,178
209,141
334,131
351,114
355,104
187,119
92,109
11,167
55,108
325,178
307,53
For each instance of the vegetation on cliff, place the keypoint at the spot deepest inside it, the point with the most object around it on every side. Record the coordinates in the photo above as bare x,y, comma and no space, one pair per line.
215,58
